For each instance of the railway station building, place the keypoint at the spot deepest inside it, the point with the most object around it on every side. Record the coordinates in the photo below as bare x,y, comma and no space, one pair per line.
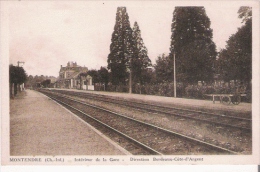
74,76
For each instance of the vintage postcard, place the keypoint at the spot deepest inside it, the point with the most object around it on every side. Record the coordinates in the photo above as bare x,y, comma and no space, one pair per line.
129,83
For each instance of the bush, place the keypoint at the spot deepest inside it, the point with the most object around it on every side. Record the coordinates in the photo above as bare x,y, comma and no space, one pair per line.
167,89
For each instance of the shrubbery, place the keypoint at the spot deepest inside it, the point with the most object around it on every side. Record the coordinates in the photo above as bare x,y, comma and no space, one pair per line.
167,89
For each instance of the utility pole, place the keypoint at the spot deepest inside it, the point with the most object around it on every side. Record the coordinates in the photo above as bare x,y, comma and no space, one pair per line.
130,75
174,73
130,81
19,63
129,66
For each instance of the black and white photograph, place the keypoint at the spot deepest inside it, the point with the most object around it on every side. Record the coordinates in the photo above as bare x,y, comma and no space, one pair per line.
130,82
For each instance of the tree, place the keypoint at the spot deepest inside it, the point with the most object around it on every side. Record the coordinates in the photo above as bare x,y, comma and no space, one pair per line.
163,69
30,81
94,74
140,59
103,76
245,13
46,83
192,44
198,63
42,78
223,67
121,48
17,75
235,61
148,76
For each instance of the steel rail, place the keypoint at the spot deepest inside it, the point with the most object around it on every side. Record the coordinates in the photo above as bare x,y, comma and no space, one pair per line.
174,113
151,150
175,108
154,105
208,145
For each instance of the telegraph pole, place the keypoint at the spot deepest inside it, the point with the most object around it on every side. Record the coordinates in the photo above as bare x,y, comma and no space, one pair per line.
130,82
129,67
130,76
19,63
174,73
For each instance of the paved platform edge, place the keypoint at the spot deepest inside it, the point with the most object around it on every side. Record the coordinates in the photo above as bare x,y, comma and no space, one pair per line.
94,129
208,106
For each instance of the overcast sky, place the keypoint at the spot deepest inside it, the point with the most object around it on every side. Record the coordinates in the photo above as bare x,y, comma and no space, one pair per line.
47,34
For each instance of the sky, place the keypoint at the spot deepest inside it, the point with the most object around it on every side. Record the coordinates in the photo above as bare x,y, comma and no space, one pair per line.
48,34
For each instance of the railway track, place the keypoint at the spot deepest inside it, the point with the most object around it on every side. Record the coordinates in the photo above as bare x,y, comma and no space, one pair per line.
216,119
138,137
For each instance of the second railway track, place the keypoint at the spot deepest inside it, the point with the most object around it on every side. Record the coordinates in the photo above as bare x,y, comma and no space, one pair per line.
152,139
220,119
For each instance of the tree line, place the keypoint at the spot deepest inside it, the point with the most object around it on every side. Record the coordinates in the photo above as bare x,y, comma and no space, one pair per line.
235,60
36,81
192,45
195,53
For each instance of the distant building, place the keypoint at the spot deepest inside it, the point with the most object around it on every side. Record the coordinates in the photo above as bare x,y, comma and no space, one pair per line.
74,76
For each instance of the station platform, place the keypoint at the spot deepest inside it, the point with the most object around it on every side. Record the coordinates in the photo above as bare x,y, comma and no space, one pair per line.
38,126
182,102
